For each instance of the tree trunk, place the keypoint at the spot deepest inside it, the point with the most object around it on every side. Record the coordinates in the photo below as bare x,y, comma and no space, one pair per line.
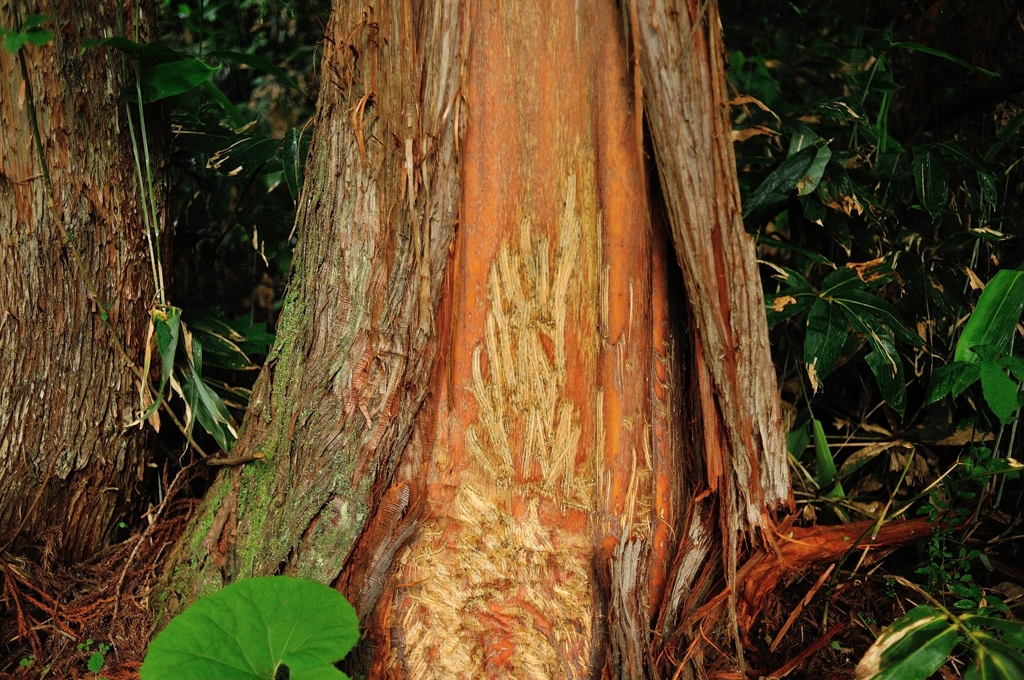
477,420
69,462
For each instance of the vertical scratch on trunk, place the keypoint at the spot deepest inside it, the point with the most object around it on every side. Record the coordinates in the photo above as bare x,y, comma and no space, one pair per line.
488,604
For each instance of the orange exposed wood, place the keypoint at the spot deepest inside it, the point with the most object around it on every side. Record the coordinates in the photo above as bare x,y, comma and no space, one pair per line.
539,491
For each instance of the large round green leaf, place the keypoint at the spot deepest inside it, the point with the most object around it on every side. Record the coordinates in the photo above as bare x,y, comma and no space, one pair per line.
251,628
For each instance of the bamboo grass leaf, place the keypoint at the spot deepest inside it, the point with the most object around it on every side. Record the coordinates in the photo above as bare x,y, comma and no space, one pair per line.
931,179
995,316
257,62
826,334
999,390
951,379
912,648
777,186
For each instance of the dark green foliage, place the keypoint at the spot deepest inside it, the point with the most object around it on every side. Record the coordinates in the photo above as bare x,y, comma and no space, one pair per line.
874,240
235,82
879,220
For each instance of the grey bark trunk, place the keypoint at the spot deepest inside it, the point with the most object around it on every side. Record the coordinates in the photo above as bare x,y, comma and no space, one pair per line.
69,462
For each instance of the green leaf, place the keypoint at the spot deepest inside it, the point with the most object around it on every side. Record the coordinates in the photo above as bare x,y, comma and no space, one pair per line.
778,185
257,339
166,326
95,662
233,113
172,78
995,661
931,181
841,110
1015,365
813,255
38,36
952,379
785,305
801,137
891,383
250,628
999,390
882,80
796,296
917,47
798,439
209,409
14,40
884,361
790,278
256,62
207,406
826,334
246,155
1012,631
810,180
987,352
221,342
201,137
1004,135
878,135
995,316
123,44
147,54
840,282
870,306
912,648
956,152
33,20
836,190
989,189
826,463
814,211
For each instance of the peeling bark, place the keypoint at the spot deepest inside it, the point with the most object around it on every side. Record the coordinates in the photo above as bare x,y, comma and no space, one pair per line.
341,394
69,462
681,56
679,49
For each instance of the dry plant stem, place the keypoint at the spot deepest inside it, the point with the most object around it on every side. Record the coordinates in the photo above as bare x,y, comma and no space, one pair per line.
804,601
805,654
237,460
70,247
76,256
171,490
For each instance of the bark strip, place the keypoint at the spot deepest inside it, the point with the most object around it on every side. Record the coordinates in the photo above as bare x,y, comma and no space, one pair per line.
681,58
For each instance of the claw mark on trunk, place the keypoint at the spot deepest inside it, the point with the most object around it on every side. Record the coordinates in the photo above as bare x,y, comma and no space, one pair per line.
512,592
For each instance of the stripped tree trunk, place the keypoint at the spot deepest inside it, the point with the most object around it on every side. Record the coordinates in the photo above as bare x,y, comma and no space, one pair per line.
69,462
681,60
477,420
